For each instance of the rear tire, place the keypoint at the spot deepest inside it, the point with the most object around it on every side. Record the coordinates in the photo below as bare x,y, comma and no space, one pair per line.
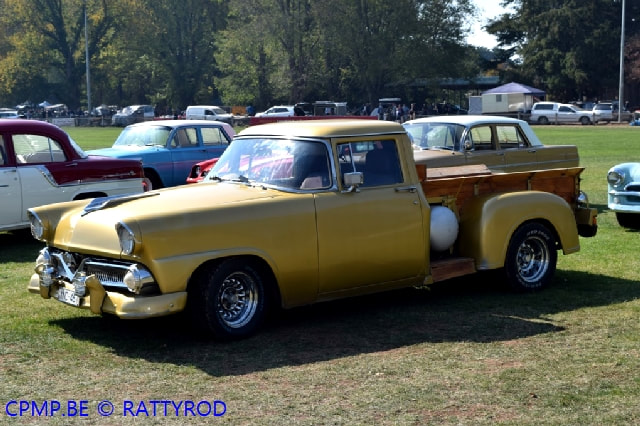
543,120
228,300
153,180
531,258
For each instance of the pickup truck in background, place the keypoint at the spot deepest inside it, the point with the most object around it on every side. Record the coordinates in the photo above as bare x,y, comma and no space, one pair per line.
295,213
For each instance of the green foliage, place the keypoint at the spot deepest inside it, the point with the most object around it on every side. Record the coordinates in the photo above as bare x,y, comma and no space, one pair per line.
570,48
236,52
263,52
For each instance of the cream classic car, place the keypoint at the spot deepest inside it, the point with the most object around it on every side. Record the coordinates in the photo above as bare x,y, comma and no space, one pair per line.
503,144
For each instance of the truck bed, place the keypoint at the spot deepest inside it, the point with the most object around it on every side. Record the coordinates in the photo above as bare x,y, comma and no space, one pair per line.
448,185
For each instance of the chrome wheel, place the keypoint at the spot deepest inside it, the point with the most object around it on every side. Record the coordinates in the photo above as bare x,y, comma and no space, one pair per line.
531,258
227,299
237,300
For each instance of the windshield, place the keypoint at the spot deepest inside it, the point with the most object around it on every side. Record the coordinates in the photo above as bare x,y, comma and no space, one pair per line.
281,163
435,135
143,136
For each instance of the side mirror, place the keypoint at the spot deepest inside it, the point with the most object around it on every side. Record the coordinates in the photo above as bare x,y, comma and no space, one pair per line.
352,181
467,144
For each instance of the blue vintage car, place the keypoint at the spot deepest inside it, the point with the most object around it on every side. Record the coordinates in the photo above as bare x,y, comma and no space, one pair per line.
624,193
169,148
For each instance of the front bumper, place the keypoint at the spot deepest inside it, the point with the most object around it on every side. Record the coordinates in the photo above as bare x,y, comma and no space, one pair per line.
100,301
104,286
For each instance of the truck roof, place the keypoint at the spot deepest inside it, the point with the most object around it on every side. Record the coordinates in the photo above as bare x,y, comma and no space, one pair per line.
323,128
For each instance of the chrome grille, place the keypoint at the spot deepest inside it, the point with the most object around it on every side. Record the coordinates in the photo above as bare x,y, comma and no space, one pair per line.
633,187
108,274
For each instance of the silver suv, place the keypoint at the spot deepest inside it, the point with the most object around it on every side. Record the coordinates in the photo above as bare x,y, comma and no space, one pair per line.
608,112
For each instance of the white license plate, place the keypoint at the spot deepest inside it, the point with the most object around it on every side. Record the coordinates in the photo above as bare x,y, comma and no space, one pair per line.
68,297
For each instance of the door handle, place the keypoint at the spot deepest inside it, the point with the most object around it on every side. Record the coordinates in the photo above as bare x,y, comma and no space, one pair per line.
406,189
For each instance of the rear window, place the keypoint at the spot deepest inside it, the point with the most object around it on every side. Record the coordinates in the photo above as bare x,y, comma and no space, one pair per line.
543,106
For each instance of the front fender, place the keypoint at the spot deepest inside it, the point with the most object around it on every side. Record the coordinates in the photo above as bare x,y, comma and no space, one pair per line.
488,222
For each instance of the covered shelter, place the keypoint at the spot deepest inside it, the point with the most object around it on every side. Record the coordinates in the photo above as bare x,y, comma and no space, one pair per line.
510,98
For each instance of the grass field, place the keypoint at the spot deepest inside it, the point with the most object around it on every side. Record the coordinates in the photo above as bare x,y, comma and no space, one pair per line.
460,353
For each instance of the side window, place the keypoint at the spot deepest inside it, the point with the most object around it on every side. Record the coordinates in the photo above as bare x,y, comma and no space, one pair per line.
213,136
564,109
481,137
208,112
509,137
378,160
3,153
185,138
37,149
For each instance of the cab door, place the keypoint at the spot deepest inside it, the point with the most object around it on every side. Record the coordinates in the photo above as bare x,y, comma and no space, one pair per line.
10,189
374,236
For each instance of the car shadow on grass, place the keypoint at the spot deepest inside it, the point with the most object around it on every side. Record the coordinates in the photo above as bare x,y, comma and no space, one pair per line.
461,310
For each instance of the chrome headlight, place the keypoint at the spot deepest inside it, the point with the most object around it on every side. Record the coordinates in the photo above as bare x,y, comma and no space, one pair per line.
583,200
37,227
136,278
126,238
615,177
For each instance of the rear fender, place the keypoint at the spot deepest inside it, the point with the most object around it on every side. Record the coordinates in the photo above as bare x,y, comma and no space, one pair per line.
488,222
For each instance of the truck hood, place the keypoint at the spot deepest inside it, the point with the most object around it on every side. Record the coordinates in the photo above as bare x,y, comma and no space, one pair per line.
198,216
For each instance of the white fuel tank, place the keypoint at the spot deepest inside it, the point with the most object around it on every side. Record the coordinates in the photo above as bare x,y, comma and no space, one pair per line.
444,228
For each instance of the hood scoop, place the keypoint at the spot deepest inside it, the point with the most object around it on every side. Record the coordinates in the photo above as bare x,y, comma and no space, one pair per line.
104,202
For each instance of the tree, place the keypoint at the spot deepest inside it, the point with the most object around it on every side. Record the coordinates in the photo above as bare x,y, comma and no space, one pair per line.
565,46
46,58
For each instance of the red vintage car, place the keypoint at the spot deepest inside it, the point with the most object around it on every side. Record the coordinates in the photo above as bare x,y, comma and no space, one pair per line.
200,170
40,164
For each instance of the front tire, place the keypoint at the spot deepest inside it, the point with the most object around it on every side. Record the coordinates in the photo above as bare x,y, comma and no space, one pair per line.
531,258
585,121
228,300
628,220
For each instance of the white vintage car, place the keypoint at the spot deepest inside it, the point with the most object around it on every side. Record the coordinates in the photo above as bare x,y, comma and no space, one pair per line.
40,164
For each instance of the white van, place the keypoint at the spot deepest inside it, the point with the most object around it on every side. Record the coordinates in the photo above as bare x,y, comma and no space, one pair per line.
208,112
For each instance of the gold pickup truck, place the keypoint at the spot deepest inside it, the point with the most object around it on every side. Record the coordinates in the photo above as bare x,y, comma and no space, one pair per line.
295,213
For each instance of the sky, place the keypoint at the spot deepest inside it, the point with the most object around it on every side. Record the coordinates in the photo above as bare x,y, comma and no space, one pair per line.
488,9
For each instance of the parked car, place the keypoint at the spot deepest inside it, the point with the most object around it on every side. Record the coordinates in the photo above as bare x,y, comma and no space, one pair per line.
8,113
501,143
208,112
278,111
200,170
608,112
168,148
40,164
556,113
132,114
623,187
